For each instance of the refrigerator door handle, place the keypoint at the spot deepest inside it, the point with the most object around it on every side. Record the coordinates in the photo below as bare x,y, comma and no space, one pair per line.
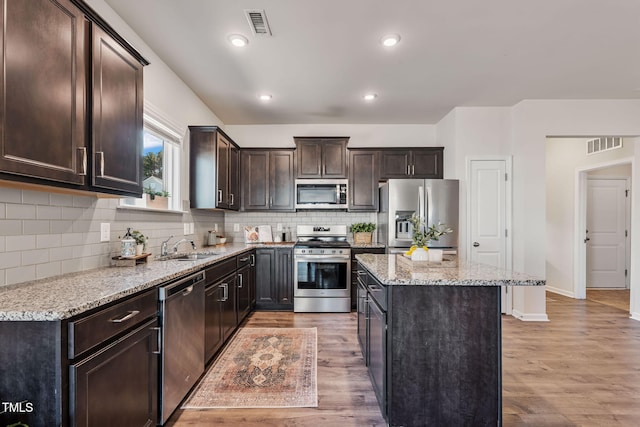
429,203
421,201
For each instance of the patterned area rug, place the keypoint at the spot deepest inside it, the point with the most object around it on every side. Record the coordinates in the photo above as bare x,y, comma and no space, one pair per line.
261,368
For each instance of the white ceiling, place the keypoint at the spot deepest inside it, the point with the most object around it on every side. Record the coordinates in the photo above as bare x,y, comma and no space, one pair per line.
324,55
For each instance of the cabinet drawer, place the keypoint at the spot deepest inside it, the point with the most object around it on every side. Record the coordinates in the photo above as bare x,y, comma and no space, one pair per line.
90,331
219,270
377,291
244,259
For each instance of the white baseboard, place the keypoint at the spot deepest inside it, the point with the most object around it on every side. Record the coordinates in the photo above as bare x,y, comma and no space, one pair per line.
635,316
564,292
540,317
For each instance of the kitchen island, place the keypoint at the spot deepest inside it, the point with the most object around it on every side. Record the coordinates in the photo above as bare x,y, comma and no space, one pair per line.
431,338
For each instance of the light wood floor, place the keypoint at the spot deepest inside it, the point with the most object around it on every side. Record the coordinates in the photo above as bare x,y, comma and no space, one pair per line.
617,298
580,369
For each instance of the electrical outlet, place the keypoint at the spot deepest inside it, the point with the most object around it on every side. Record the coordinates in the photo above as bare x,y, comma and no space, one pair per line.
185,226
279,226
236,227
191,228
105,231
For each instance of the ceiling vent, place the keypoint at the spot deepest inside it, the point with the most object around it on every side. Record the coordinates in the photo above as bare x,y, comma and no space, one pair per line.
258,22
598,145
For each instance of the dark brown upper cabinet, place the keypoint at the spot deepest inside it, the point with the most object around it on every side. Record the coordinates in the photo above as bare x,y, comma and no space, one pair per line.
268,180
57,56
213,169
43,110
322,157
411,163
363,180
117,117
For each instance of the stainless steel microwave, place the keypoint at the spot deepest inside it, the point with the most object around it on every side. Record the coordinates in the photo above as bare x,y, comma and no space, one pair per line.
321,194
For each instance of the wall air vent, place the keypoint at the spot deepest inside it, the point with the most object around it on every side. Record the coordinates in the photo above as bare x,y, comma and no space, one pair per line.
598,145
258,22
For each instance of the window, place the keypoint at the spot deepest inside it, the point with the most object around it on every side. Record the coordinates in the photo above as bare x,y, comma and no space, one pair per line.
161,166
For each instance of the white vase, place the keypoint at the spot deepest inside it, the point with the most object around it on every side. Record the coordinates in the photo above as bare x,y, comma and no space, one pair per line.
139,249
419,254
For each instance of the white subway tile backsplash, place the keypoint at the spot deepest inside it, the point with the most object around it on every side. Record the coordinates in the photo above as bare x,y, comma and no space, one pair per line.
61,199
49,269
62,226
71,266
20,243
15,211
3,211
60,254
38,256
48,212
48,241
20,274
10,195
36,227
73,214
71,239
10,259
84,201
3,241
35,198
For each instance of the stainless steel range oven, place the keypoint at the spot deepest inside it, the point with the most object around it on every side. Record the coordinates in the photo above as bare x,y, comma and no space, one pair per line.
322,269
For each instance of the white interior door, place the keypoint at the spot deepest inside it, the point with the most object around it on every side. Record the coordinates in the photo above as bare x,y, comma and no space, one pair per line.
488,217
606,233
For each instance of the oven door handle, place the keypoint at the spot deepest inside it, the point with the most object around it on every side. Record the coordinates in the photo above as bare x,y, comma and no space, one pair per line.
324,259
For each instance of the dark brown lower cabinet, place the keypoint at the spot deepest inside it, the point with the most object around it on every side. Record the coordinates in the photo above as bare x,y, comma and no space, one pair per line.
433,352
274,279
213,338
354,269
119,384
245,280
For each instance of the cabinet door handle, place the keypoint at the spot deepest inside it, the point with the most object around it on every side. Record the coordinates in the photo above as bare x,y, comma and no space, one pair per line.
270,201
408,169
83,160
225,294
253,260
231,199
187,291
240,278
126,317
158,340
245,259
101,163
413,169
219,196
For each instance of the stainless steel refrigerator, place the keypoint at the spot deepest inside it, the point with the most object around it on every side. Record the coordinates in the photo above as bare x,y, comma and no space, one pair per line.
434,200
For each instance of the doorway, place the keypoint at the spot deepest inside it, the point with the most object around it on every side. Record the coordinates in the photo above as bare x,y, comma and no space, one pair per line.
489,216
603,211
607,232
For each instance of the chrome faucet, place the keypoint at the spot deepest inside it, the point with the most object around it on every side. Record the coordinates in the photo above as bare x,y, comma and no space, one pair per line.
175,246
163,247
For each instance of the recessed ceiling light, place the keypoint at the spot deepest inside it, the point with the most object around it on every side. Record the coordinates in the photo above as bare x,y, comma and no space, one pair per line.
265,97
390,40
238,40
370,97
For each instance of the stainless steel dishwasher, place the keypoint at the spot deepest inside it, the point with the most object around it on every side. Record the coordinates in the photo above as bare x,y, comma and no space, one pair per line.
182,322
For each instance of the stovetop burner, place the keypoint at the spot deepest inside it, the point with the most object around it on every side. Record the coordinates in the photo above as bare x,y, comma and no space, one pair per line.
313,236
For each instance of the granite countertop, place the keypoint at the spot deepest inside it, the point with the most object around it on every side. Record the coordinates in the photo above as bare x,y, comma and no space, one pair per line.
366,245
65,296
391,270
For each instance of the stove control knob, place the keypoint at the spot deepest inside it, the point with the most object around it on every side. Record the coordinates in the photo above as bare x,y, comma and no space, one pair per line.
321,251
303,251
333,251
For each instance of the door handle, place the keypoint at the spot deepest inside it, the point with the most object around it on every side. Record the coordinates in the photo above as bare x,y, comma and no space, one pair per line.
231,199
187,291
586,239
128,316
158,340
83,160
101,163
240,280
219,196
476,244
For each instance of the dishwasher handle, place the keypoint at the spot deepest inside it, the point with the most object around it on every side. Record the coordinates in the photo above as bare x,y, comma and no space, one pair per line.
181,285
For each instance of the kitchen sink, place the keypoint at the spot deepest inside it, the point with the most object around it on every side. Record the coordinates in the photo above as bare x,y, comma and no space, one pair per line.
188,257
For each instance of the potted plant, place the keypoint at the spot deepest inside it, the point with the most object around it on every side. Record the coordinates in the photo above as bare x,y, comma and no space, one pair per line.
157,199
362,232
141,241
422,235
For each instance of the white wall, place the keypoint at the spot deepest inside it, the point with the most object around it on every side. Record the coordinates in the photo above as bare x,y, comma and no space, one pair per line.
162,87
281,136
532,122
563,157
